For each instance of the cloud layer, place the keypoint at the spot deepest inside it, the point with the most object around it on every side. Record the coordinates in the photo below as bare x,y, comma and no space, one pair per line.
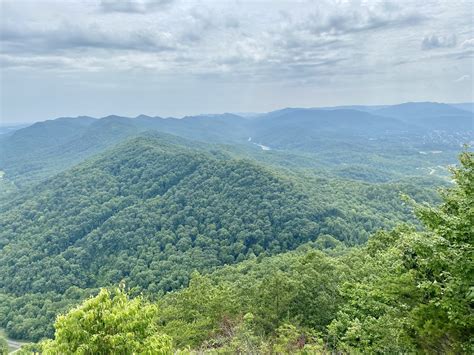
237,44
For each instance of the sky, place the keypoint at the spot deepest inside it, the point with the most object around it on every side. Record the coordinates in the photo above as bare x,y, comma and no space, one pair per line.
175,57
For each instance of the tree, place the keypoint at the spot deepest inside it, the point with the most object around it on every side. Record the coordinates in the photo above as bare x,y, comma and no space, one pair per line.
3,345
414,289
110,323
444,266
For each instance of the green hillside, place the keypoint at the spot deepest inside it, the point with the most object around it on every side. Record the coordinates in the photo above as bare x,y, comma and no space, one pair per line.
147,212
150,212
406,291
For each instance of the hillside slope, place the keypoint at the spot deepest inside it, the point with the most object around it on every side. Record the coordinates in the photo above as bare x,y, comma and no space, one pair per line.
150,212
134,208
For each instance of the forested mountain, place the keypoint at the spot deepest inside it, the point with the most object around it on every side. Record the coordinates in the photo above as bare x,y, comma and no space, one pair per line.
430,116
143,200
34,153
149,212
406,291
146,201
313,130
43,149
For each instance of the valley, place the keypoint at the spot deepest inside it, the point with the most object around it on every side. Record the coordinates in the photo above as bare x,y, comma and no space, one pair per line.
166,206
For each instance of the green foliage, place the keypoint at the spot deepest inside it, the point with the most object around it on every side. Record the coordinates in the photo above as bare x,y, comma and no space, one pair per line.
444,268
109,323
30,348
31,316
3,345
190,315
150,212
243,340
241,308
407,291
414,290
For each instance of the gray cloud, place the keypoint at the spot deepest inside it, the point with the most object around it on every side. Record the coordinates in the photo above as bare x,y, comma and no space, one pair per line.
347,18
133,6
63,36
329,48
434,41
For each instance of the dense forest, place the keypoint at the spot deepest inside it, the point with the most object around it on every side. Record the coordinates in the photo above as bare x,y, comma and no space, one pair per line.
283,233
406,290
149,212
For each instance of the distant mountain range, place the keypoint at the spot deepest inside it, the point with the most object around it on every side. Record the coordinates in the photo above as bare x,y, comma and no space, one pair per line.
45,148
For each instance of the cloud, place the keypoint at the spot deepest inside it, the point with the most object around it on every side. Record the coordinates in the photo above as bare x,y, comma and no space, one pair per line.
243,51
133,6
434,41
345,17
64,36
463,78
468,43
245,41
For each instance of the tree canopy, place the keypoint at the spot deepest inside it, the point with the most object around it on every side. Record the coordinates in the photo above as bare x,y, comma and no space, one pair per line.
110,323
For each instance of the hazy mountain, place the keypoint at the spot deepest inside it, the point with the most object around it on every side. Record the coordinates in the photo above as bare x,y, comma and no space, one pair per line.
33,153
10,128
430,116
45,148
467,106
310,129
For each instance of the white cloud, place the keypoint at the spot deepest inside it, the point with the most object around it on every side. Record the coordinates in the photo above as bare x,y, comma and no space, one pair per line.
468,43
463,78
230,35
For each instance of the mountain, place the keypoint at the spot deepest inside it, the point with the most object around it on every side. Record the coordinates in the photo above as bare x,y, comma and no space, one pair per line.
45,148
364,108
32,154
147,212
466,106
6,128
310,129
322,296
430,115
344,121
43,135
155,208
208,128
167,199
